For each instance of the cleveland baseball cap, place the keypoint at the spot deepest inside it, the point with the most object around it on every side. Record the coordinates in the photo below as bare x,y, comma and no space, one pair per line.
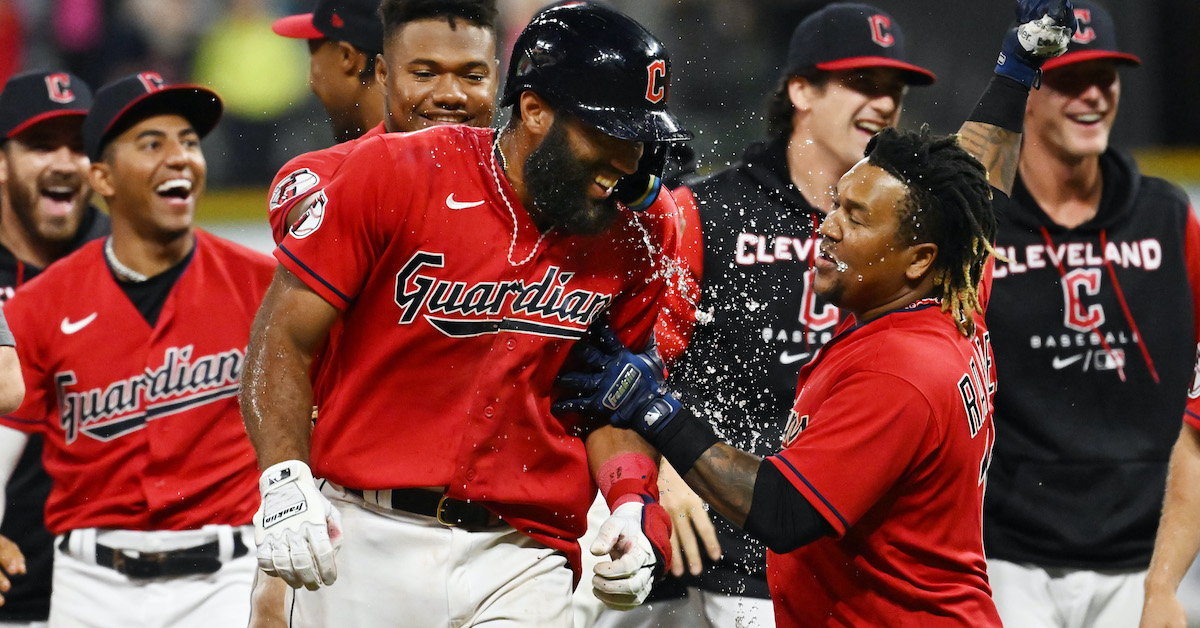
850,36
126,101
356,22
1095,38
33,97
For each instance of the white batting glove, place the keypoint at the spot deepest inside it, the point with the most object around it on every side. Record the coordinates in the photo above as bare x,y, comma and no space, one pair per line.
623,582
1044,37
296,529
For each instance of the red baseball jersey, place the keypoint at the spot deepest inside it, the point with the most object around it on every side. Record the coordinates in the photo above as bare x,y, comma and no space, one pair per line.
305,175
890,439
142,427
457,315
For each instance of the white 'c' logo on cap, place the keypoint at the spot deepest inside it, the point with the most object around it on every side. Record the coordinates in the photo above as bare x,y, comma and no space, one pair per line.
152,81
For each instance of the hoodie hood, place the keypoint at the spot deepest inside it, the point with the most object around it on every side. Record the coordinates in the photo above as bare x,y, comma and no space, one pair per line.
766,163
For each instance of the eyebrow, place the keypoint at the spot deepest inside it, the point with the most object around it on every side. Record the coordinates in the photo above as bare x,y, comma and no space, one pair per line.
162,134
477,63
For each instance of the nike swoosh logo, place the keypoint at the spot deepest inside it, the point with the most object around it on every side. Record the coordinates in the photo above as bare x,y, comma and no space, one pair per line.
453,204
69,328
1061,363
791,358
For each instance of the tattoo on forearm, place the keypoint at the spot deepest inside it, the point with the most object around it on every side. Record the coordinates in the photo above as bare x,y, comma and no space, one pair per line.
724,477
997,149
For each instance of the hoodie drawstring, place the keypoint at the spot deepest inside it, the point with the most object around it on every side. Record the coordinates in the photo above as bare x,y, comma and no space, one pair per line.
1112,273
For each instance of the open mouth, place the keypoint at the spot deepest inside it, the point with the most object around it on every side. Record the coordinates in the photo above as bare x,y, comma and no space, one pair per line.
606,184
59,200
869,126
1086,118
175,189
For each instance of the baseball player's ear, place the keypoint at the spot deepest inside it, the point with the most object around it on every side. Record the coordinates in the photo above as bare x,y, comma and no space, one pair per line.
800,91
381,69
352,60
536,113
100,176
3,167
921,260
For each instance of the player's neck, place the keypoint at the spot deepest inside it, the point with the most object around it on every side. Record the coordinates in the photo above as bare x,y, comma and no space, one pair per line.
145,256
512,145
1067,189
813,171
24,245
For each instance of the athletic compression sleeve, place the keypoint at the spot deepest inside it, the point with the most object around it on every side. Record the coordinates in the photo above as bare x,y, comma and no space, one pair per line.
780,516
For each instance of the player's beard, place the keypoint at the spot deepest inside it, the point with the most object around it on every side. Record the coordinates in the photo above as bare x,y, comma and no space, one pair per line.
53,231
558,182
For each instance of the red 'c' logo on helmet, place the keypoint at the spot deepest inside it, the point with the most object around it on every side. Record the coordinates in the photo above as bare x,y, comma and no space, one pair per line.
152,81
656,86
1084,34
881,30
58,86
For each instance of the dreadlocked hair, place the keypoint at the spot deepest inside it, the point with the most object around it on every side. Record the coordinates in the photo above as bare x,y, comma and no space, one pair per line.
398,13
949,203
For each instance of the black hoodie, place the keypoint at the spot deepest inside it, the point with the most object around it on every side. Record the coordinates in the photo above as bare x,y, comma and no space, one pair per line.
1085,420
740,370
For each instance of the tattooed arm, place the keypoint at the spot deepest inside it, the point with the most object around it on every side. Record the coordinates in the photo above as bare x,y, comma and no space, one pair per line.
996,148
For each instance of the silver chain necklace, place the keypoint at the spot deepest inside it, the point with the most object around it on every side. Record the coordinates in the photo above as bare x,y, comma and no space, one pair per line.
511,212
126,273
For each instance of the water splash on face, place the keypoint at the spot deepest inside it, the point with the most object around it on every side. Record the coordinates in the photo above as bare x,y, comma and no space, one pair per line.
842,266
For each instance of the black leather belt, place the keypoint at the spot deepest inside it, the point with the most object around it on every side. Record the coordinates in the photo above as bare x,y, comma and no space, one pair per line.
449,512
202,559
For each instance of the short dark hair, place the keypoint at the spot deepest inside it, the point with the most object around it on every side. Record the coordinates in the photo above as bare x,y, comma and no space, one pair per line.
949,203
780,111
397,13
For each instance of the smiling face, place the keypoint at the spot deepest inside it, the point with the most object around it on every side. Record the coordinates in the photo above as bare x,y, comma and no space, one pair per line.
43,171
434,74
570,175
152,175
840,116
1073,113
863,267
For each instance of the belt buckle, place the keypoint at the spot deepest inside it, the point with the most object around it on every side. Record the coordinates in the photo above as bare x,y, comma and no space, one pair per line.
441,509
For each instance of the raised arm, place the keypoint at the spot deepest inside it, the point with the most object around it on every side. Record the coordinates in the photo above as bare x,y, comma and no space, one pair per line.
992,134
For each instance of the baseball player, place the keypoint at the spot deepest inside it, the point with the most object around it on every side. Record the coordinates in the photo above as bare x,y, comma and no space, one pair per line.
44,214
438,66
446,272
133,382
898,401
1094,316
750,246
344,37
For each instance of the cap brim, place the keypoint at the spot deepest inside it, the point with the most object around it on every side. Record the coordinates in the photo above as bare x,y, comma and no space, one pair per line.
297,27
913,74
635,125
1080,56
42,117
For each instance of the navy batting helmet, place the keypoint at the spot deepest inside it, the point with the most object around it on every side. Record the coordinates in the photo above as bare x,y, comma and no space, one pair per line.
601,66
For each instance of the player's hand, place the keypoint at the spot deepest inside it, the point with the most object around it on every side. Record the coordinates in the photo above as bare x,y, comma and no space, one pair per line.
624,388
691,526
1043,31
296,529
1163,610
639,190
635,538
12,562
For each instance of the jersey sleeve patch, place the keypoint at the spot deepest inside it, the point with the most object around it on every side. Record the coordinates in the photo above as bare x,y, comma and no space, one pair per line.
294,186
312,218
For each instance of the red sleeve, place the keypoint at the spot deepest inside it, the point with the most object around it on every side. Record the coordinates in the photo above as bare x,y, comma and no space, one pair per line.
677,318
336,244
634,314
1191,255
856,427
40,394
